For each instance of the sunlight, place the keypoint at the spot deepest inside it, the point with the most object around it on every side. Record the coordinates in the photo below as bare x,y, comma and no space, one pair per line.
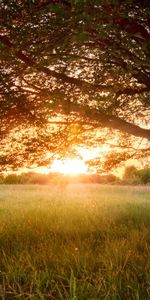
91,153
69,166
75,166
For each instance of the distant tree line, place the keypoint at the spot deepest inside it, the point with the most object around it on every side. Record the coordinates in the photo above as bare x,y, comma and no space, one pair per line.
56,178
134,176
131,176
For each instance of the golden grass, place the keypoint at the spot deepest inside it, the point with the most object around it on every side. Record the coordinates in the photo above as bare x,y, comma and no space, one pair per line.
83,242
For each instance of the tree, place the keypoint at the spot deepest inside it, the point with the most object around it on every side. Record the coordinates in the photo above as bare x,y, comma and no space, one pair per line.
131,174
144,176
66,73
11,179
134,176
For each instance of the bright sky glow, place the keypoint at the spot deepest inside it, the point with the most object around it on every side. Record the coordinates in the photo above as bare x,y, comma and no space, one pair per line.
92,153
75,166
87,154
69,166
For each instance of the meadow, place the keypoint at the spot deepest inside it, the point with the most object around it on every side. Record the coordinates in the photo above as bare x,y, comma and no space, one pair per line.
81,242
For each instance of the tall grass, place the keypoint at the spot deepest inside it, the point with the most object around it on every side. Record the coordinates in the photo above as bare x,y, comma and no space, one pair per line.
83,242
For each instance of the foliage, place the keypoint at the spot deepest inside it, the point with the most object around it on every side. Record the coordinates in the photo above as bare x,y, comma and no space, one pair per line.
134,176
67,73
144,176
11,179
131,176
1,179
57,179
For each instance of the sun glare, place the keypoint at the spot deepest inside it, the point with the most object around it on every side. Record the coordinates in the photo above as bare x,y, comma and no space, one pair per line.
70,166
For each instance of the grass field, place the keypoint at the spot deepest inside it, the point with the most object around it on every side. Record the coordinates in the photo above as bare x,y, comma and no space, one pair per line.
86,242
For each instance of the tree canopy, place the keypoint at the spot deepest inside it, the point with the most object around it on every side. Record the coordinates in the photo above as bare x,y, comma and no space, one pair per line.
73,73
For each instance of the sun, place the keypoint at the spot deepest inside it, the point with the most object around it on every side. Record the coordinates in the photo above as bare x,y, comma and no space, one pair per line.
73,166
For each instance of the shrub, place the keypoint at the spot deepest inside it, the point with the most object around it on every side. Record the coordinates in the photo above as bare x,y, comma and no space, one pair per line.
144,176
12,179
130,175
1,179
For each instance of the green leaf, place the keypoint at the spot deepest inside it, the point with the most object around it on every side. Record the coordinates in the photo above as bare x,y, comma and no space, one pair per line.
81,37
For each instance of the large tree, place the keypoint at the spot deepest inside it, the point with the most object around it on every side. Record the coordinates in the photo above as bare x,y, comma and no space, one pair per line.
69,69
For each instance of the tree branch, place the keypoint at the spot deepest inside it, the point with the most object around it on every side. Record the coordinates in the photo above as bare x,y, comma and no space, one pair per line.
104,119
71,80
